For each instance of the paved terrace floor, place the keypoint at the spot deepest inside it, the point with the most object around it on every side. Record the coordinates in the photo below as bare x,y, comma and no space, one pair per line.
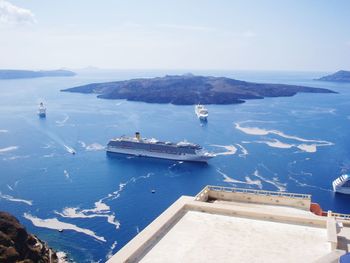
204,237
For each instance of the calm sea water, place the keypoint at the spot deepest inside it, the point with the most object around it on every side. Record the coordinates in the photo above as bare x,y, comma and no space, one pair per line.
296,144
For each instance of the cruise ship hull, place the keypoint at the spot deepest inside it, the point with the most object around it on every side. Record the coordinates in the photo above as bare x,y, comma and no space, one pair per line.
342,184
342,190
175,157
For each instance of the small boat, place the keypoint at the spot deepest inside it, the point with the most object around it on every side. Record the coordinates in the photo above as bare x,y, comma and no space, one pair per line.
42,110
201,112
342,184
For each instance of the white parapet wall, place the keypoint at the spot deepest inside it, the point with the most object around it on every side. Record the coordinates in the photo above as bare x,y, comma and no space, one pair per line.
300,201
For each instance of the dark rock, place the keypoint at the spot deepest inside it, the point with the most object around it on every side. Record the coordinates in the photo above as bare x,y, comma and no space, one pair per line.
189,89
17,245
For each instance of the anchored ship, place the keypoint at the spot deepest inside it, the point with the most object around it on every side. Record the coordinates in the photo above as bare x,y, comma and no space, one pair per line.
42,110
342,184
201,112
181,151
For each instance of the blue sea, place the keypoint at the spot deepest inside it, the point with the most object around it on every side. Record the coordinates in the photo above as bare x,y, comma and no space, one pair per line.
296,144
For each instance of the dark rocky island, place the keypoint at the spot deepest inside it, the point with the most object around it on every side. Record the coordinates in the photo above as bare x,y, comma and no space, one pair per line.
339,76
189,89
25,74
17,245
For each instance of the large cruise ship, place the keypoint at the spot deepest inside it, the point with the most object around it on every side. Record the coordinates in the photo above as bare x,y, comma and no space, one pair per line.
342,184
182,151
201,112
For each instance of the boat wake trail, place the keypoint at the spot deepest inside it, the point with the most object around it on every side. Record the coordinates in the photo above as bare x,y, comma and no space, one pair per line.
62,122
8,149
308,185
69,149
15,157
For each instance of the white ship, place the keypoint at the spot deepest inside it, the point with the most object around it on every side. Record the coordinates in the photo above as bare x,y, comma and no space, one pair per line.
201,112
342,184
42,110
182,151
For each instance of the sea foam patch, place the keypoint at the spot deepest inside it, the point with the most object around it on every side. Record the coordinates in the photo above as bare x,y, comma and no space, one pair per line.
243,151
13,199
306,145
54,223
230,149
277,144
100,208
95,147
110,252
75,212
280,186
82,144
91,147
248,181
260,131
311,148
66,174
251,130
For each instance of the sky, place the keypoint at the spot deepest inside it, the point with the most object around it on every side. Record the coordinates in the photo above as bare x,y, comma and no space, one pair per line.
296,35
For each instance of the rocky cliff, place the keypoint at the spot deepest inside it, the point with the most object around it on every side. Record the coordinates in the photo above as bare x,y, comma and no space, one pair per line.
17,245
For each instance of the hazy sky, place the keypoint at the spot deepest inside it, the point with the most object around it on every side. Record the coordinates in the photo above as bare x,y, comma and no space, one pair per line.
179,34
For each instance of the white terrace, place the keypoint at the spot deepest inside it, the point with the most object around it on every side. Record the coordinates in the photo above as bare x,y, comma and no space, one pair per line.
224,224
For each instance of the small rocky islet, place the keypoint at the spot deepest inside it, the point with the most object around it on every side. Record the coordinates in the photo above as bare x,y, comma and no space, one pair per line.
339,76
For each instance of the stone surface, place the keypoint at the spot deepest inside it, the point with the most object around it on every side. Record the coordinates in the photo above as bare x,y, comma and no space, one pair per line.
17,245
203,237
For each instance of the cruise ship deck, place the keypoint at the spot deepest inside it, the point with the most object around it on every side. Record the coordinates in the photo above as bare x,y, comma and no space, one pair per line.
225,224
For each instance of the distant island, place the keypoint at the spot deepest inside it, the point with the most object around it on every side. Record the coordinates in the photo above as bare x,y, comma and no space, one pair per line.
339,76
24,74
189,89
